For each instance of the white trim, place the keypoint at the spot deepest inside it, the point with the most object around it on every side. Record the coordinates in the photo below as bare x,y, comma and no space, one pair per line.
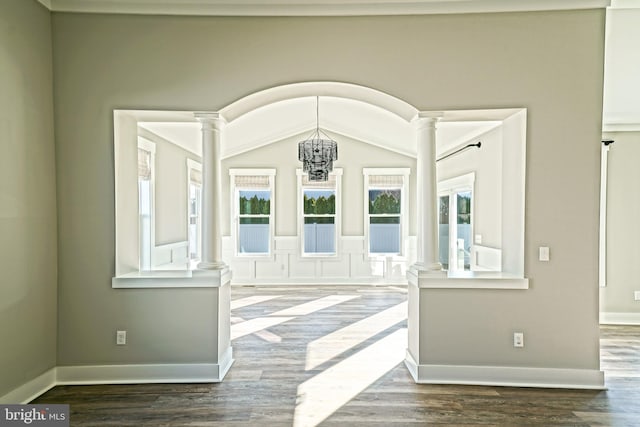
507,376
173,279
610,318
31,389
458,183
465,280
150,146
312,89
451,187
193,165
142,374
404,208
304,8
234,215
602,244
337,172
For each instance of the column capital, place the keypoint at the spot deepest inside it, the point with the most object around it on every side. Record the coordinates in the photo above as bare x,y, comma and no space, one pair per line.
211,119
427,118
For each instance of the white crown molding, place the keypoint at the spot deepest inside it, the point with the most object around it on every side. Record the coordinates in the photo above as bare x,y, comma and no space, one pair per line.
315,8
46,3
625,4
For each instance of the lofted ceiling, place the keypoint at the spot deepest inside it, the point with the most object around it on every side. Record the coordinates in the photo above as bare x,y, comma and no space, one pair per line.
338,116
313,7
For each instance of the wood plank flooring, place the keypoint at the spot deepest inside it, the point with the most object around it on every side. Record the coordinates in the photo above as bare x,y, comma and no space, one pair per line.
330,357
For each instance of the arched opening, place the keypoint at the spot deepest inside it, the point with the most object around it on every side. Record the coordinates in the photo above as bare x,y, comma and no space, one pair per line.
376,135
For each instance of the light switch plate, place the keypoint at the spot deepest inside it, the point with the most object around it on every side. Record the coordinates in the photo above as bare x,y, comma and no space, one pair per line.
543,253
636,295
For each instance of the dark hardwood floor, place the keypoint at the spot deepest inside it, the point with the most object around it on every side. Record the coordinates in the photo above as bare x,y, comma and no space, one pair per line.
333,356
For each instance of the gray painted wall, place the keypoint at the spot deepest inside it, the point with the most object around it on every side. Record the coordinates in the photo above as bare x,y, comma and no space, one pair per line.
623,225
28,292
547,62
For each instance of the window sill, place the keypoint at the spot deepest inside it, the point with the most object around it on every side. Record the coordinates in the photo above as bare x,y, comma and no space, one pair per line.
319,256
172,279
466,280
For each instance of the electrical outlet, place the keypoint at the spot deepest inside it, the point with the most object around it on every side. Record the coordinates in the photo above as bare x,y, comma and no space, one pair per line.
121,337
636,295
478,239
543,254
518,339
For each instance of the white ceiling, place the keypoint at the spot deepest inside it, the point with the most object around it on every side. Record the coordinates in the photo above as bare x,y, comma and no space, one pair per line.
315,7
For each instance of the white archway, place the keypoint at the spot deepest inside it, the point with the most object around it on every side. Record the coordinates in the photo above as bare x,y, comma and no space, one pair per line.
331,89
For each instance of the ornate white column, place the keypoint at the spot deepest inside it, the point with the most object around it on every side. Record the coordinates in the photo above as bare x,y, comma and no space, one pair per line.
427,270
212,128
427,192
212,271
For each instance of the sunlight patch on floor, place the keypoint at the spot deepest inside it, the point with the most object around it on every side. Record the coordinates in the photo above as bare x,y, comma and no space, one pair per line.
315,305
256,299
325,393
254,325
329,346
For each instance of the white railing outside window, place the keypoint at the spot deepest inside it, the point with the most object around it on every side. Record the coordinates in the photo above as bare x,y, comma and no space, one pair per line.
385,210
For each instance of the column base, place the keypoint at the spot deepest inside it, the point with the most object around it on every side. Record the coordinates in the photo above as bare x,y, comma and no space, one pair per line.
216,265
425,268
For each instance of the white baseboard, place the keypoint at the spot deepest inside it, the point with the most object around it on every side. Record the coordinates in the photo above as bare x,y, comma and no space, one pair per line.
225,363
506,376
610,318
32,389
120,374
141,374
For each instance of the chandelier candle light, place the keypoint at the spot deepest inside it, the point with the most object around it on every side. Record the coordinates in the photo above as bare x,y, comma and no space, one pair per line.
316,153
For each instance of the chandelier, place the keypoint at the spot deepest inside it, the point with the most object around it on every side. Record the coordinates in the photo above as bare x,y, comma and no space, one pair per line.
316,153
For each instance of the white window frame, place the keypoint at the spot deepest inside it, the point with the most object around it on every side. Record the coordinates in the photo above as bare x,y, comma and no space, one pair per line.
337,172
149,146
450,187
193,165
235,211
404,209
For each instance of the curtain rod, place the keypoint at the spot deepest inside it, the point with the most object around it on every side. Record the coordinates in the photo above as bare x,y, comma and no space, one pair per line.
477,144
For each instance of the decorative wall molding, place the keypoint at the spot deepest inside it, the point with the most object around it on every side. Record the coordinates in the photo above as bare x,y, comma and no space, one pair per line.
506,376
317,8
610,318
351,265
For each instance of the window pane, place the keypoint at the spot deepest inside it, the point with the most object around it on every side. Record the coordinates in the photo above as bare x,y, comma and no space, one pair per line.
384,201
384,236
144,211
319,235
464,207
463,243
443,231
255,202
319,202
253,236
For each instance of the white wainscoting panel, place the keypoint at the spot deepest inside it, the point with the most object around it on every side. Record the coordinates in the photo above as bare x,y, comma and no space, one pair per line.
352,264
